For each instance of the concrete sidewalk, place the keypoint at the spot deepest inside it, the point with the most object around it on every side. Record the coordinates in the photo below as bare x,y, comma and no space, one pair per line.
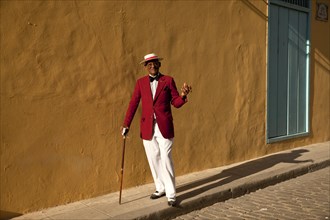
197,190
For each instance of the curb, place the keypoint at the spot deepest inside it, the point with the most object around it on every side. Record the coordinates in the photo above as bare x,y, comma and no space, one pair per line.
229,193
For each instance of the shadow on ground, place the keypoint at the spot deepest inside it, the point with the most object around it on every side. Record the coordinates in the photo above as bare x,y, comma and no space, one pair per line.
238,172
8,215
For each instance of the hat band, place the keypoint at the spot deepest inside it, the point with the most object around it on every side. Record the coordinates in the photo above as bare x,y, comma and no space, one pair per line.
151,58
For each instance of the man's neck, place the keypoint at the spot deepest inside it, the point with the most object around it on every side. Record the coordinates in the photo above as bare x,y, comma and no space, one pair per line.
154,76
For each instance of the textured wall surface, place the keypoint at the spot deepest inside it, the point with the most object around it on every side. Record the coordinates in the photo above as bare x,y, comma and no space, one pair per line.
68,69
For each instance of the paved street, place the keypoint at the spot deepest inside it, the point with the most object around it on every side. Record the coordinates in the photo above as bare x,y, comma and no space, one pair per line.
305,197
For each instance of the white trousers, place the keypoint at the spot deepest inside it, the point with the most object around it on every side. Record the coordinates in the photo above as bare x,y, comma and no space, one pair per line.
159,154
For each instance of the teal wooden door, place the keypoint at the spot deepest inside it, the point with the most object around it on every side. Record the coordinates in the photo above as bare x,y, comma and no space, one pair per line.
288,70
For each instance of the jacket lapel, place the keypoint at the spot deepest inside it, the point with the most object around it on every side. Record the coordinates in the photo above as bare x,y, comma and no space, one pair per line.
160,86
146,85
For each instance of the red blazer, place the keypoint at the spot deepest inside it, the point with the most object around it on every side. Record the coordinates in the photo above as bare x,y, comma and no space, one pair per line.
166,94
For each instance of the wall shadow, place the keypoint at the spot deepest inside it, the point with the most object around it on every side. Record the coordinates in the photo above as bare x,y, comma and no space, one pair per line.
4,215
256,10
238,172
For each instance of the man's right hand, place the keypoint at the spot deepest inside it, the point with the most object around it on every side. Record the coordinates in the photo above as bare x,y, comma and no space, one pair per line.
124,131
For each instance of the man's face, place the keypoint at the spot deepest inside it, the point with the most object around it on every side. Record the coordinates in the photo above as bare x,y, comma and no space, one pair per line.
152,67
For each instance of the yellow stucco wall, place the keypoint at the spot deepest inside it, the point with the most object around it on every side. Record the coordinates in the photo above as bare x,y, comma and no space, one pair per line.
68,69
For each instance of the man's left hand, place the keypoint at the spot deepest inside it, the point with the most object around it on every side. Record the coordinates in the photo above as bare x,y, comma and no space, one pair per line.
185,90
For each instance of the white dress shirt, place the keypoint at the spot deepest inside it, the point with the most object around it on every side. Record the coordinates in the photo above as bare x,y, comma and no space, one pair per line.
153,86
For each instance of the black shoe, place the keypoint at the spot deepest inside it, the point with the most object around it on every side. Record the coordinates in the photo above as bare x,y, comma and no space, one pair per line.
157,195
171,202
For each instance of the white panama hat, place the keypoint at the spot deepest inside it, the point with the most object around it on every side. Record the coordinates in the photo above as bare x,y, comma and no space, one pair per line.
149,57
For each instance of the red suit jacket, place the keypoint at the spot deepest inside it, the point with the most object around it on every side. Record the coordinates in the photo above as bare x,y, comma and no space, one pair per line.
166,94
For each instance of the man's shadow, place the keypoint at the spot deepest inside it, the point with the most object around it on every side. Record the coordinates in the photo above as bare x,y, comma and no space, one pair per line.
238,172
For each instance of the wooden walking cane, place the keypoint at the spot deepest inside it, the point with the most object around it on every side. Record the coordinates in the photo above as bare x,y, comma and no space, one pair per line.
122,169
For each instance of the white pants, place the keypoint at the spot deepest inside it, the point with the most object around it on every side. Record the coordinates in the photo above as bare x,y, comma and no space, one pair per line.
159,154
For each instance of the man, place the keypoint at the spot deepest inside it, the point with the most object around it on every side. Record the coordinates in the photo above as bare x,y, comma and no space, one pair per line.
157,93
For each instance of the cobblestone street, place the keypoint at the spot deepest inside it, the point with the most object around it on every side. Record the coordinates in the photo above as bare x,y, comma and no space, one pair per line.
305,197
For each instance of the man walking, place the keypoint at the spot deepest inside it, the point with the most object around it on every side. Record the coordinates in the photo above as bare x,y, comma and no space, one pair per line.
157,92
